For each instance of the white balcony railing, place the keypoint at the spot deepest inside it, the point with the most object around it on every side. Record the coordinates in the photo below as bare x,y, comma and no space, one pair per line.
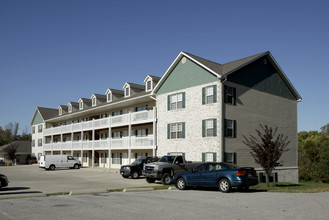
120,143
114,121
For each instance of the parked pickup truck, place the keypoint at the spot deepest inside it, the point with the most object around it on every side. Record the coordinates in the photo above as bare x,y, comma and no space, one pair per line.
166,168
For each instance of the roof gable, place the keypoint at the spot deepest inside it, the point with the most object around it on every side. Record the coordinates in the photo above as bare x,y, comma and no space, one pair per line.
262,75
185,73
37,118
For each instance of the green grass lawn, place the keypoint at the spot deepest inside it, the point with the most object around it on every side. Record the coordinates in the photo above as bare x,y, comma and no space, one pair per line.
302,187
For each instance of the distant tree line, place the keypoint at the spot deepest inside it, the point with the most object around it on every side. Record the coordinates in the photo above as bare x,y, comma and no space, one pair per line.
9,134
313,153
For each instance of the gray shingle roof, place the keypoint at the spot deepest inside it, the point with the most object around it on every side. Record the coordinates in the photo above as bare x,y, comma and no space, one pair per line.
222,69
47,113
136,86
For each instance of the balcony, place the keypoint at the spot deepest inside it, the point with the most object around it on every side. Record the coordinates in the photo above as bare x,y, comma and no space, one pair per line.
103,123
106,144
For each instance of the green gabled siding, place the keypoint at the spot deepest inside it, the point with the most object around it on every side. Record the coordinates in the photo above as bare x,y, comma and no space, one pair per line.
37,119
186,75
262,77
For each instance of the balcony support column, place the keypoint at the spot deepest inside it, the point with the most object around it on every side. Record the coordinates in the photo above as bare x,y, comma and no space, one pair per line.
93,152
61,143
72,143
129,137
109,142
154,130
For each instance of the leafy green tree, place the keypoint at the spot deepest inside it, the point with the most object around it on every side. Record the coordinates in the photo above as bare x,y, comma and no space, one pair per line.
268,150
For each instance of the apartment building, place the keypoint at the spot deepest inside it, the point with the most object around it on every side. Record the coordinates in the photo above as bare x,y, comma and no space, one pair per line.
198,108
205,108
103,131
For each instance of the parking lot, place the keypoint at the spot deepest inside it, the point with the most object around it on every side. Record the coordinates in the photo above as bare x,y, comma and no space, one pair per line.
31,180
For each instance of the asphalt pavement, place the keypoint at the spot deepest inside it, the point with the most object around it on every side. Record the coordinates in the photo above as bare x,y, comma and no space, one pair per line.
32,181
170,204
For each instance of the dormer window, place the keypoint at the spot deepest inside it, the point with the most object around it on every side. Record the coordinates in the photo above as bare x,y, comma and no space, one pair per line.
149,85
60,112
94,101
109,96
70,108
127,91
80,105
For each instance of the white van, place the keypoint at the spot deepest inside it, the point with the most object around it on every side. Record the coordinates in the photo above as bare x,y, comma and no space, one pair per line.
52,162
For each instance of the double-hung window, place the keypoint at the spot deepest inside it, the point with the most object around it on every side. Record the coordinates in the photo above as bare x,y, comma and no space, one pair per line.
176,130
209,157
103,136
116,158
109,97
33,143
39,142
230,128
209,128
176,101
80,105
230,157
209,94
39,128
229,95
33,129
103,157
141,133
117,134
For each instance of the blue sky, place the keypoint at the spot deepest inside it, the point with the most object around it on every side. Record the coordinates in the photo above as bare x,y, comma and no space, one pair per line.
53,52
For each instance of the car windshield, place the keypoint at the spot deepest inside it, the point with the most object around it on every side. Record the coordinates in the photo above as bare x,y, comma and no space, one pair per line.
169,159
137,162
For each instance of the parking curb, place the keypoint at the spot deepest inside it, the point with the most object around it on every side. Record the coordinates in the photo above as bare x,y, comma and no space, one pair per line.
138,189
21,196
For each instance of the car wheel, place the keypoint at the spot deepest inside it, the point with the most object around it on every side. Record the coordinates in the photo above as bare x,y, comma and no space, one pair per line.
0,184
52,167
224,185
76,166
150,180
166,179
135,175
180,183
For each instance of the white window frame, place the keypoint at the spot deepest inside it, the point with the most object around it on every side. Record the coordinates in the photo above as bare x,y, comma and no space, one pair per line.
176,130
141,133
39,128
33,143
209,128
209,157
70,108
176,101
33,129
93,101
40,142
127,91
60,111
231,127
209,94
109,97
149,85
80,105
116,158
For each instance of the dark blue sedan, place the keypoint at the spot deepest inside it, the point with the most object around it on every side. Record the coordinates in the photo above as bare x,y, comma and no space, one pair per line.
221,175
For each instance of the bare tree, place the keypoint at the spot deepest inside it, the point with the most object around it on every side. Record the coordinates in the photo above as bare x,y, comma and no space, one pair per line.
268,150
11,151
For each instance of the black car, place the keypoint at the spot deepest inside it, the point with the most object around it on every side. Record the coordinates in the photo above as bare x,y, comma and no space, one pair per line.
3,180
134,170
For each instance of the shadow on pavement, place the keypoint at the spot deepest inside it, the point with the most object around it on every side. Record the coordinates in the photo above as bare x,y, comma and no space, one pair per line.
15,191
